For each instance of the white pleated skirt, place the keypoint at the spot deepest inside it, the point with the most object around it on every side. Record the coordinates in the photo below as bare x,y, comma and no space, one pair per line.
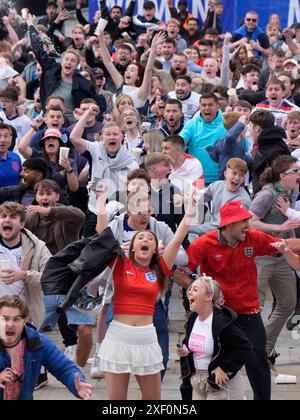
128,349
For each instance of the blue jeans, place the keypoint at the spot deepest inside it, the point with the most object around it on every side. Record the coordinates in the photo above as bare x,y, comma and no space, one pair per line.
256,366
161,325
74,316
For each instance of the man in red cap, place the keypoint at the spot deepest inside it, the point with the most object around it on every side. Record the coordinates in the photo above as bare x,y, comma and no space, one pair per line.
227,255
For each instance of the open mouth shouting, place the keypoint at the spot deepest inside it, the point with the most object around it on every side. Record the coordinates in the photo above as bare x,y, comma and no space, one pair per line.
112,144
192,303
207,115
274,100
293,132
171,121
234,184
127,78
145,248
67,68
6,228
180,94
129,123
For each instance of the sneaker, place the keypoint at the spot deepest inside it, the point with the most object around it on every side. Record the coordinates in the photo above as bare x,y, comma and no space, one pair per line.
272,359
95,371
70,352
46,328
293,320
42,381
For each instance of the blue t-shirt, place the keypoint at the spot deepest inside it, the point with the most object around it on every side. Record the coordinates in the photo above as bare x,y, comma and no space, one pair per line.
10,169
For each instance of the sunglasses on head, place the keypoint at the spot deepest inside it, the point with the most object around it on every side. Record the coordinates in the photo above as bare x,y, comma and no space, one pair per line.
251,20
292,171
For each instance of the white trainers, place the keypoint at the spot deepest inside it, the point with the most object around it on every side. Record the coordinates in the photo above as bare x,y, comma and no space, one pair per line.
95,371
70,352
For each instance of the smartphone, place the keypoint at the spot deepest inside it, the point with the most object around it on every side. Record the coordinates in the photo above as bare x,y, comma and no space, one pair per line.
179,346
211,380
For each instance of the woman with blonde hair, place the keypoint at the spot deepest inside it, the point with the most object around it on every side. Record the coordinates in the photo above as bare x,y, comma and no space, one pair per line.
214,349
131,122
121,102
153,141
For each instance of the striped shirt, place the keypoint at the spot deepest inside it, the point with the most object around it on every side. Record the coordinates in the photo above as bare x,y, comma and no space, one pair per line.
280,112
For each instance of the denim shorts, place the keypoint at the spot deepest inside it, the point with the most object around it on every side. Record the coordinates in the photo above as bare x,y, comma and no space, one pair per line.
74,316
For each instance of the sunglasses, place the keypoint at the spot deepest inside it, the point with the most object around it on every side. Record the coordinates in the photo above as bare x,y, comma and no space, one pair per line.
292,171
251,20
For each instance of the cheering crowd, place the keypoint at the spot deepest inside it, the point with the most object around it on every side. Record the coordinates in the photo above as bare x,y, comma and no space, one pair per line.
134,154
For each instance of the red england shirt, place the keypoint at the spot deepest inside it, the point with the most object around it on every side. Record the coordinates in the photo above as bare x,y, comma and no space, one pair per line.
233,268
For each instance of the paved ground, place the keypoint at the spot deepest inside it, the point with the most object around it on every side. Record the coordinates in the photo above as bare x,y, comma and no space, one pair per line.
288,363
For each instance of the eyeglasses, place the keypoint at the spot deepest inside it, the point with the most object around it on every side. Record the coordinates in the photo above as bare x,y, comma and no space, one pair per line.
292,171
132,114
251,20
142,213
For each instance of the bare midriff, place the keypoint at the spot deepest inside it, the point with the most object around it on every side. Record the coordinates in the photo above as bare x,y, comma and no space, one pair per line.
134,320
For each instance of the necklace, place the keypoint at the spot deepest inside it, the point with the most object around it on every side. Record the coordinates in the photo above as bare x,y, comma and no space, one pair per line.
14,345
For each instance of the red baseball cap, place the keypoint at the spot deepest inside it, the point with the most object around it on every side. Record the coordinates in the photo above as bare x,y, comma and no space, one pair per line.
233,212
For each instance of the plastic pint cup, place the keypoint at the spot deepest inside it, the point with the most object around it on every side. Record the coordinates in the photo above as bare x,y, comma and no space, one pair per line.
63,153
136,152
4,265
101,26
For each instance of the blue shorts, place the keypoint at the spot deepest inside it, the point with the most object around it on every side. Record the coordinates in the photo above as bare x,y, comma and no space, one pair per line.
74,316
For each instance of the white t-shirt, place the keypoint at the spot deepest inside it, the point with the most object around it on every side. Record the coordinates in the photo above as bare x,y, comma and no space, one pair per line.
6,72
21,124
201,343
117,180
132,91
13,255
190,171
190,105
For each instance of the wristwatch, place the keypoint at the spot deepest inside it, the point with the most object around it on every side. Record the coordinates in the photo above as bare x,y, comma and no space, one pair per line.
70,171
35,127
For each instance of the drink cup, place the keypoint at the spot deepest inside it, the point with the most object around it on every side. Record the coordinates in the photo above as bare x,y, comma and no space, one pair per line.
63,153
24,13
101,26
136,152
4,265
146,126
